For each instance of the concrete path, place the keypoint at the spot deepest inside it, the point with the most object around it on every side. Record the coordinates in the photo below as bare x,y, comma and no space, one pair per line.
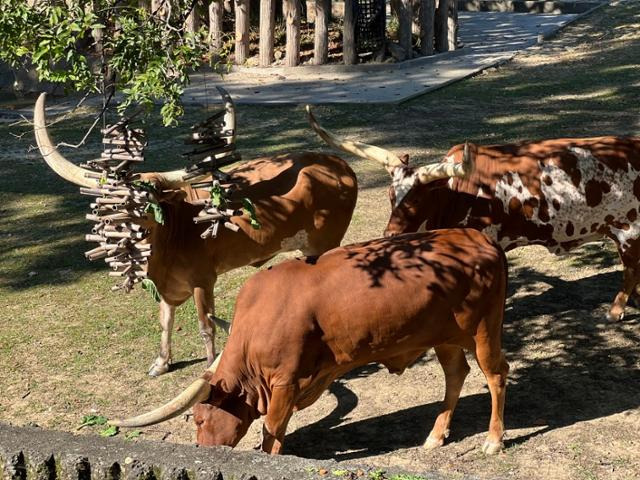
489,38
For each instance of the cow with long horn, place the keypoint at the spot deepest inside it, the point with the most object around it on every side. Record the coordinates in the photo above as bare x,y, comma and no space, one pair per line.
305,322
302,200
558,193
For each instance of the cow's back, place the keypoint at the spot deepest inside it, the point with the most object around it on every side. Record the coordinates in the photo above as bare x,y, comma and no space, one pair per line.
557,193
376,301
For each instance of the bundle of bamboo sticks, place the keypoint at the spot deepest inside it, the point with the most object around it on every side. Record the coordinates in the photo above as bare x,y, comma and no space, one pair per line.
118,206
214,147
216,215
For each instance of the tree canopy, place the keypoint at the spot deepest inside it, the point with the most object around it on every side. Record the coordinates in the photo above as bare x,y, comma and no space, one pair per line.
97,45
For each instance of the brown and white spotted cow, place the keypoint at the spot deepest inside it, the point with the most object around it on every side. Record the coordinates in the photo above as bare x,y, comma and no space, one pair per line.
558,193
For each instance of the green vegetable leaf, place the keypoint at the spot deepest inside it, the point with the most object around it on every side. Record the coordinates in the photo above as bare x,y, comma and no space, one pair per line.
156,210
132,434
218,197
145,186
109,431
250,209
149,286
90,420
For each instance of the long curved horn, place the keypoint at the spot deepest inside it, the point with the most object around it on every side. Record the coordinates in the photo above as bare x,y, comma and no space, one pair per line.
370,152
198,391
429,173
229,116
49,152
175,178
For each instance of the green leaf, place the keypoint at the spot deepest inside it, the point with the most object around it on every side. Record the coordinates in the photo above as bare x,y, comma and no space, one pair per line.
132,434
218,197
110,431
90,420
149,286
250,209
156,209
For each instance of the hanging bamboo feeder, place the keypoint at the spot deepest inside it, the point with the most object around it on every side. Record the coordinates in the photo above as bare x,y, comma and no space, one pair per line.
119,205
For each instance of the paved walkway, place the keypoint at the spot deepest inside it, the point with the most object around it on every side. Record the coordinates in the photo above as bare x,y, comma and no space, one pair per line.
489,38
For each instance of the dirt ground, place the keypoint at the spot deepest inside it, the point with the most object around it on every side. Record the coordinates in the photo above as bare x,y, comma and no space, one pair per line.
69,347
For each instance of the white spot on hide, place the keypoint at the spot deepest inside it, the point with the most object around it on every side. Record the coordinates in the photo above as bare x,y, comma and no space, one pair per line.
402,183
572,201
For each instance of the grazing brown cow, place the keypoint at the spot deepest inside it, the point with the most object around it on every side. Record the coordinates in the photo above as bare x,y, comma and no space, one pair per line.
302,200
558,193
303,323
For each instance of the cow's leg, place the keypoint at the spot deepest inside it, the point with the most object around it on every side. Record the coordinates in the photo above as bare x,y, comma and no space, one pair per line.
278,414
629,255
456,369
167,316
495,368
203,298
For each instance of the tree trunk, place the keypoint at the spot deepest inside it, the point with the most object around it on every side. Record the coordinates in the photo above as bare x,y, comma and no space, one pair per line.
215,25
349,34
442,26
405,18
292,16
267,28
321,32
427,14
242,31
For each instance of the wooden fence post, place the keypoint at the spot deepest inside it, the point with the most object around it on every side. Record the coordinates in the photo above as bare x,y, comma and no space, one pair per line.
292,18
267,29
215,25
321,32
192,23
242,31
442,26
452,24
427,14
349,34
405,20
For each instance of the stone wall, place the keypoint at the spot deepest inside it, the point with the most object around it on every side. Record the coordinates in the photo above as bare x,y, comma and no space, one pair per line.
31,453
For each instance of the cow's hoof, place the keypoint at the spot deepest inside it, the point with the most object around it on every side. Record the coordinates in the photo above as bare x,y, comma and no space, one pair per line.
432,443
158,369
492,448
614,317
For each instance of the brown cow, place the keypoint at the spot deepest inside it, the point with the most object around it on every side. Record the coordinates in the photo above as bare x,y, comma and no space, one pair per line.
302,200
303,323
558,193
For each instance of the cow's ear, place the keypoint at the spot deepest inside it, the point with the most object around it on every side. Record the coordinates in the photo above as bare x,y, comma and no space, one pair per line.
404,158
218,391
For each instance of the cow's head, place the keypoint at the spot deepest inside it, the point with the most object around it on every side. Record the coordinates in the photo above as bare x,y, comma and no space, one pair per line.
221,411
413,191
224,418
